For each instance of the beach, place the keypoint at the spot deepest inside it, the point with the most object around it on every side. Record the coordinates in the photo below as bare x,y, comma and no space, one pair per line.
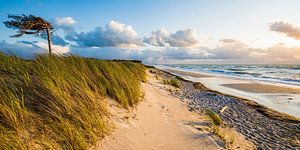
265,127
280,97
164,121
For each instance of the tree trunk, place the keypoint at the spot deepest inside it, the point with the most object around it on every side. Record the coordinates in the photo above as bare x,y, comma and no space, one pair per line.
49,41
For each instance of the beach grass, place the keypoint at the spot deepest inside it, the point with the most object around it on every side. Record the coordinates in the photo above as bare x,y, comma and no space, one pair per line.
56,102
172,82
216,119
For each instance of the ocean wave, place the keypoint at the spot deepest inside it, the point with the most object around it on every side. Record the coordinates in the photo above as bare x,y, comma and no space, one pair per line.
288,74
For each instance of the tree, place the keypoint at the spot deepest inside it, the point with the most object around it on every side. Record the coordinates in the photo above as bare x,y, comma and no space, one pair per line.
30,25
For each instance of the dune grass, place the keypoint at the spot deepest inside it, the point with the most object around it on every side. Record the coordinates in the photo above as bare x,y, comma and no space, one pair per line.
216,119
54,102
172,82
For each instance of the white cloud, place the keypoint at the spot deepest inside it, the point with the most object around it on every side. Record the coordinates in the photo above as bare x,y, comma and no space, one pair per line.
159,38
57,49
181,38
120,41
27,49
285,28
115,34
65,21
230,49
65,24
22,49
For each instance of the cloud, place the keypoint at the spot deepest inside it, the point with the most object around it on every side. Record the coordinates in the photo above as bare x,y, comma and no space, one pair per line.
115,34
120,41
181,38
27,49
159,38
33,43
227,50
56,39
66,24
229,41
56,49
281,52
23,49
285,28
65,21
230,49
145,54
235,49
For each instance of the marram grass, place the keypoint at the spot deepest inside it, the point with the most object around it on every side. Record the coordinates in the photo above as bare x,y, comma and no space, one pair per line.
54,102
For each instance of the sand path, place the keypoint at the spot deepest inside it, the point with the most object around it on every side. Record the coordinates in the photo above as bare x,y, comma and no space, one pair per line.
161,121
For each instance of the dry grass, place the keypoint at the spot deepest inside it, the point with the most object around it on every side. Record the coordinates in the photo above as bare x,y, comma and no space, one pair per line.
55,102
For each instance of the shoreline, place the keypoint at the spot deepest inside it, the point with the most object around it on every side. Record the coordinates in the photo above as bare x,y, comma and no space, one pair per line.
281,98
266,128
261,108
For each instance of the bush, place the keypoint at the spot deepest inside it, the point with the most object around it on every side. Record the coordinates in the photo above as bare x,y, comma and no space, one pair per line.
216,119
55,102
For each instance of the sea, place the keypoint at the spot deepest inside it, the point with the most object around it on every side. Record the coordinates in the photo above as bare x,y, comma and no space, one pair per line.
284,74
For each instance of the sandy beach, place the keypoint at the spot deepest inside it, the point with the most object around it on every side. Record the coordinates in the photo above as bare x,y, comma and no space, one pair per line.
280,97
265,127
163,121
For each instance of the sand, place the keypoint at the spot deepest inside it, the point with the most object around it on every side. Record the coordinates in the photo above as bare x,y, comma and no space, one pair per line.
262,88
266,128
162,121
282,98
188,73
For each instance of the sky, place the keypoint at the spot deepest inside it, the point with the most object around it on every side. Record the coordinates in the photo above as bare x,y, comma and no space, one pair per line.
162,31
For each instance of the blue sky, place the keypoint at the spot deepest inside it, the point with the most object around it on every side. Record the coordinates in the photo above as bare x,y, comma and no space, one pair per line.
246,23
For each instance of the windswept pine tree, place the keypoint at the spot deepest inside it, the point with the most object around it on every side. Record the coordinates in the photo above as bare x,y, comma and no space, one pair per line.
30,25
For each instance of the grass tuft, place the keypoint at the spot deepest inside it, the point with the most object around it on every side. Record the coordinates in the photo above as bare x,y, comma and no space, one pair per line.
54,102
172,82
216,119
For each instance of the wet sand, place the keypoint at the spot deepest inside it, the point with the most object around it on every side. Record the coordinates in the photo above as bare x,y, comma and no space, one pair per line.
262,88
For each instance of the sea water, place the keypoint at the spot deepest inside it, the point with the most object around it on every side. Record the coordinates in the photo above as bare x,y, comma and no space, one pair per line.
285,74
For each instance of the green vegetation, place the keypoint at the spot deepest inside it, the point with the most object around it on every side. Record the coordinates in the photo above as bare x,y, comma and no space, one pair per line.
55,102
216,119
172,82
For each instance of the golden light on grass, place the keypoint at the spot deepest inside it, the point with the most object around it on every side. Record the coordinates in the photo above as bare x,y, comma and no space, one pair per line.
55,102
